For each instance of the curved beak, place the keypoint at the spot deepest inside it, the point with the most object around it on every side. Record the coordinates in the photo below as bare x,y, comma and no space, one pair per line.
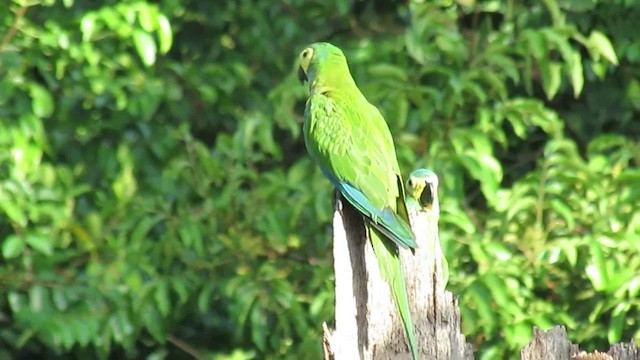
428,194
302,76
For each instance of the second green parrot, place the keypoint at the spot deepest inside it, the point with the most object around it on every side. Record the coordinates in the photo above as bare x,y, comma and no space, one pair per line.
422,198
422,191
351,142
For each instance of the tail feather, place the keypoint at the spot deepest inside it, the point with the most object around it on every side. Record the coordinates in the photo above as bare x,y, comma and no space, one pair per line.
391,270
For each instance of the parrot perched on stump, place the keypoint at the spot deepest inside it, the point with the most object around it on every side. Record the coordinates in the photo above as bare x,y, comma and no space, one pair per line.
422,197
351,142
420,180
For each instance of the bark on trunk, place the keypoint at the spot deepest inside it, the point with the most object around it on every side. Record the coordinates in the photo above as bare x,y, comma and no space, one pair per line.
367,325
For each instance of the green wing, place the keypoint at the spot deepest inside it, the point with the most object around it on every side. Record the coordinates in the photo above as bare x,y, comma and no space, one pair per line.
353,146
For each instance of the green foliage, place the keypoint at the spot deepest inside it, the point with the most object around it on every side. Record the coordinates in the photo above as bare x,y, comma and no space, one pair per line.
157,200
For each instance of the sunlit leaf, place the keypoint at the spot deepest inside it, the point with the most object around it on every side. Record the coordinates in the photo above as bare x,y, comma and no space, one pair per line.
41,101
146,17
564,210
39,242
599,44
577,74
551,75
145,46
617,324
12,246
165,34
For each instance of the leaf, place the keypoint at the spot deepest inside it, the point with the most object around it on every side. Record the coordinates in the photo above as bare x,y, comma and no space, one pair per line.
84,330
145,46
617,323
458,219
600,69
497,288
179,285
120,326
537,43
41,101
259,327
139,234
522,204
125,185
162,297
551,72
599,44
12,246
88,26
483,303
596,270
564,210
153,322
38,298
479,253
59,299
146,17
39,242
165,34
499,251
204,298
606,143
577,73
571,252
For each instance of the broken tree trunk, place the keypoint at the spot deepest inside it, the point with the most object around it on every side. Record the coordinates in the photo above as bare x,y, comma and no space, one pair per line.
367,325
554,345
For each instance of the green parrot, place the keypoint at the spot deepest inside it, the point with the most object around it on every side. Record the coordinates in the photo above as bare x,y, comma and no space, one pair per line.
351,142
419,199
422,197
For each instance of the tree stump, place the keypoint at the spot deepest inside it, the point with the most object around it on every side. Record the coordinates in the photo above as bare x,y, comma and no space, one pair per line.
554,345
367,325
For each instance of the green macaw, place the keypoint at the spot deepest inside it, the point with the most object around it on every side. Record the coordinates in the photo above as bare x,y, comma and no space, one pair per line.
422,197
351,142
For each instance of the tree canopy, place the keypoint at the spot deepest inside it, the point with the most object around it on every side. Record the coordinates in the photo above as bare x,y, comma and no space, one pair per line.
157,201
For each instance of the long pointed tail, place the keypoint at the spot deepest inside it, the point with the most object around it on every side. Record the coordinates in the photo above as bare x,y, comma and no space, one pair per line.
391,271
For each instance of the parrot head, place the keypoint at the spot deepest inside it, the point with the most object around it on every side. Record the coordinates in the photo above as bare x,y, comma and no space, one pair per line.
305,62
422,185
316,56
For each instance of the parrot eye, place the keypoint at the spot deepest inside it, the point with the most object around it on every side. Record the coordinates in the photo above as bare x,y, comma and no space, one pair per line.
306,53
411,184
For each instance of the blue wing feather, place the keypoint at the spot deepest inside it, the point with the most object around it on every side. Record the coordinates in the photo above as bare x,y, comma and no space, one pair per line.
385,220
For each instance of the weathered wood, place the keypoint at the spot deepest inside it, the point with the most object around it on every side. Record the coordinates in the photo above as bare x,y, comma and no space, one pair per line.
554,345
436,313
624,351
549,345
367,325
